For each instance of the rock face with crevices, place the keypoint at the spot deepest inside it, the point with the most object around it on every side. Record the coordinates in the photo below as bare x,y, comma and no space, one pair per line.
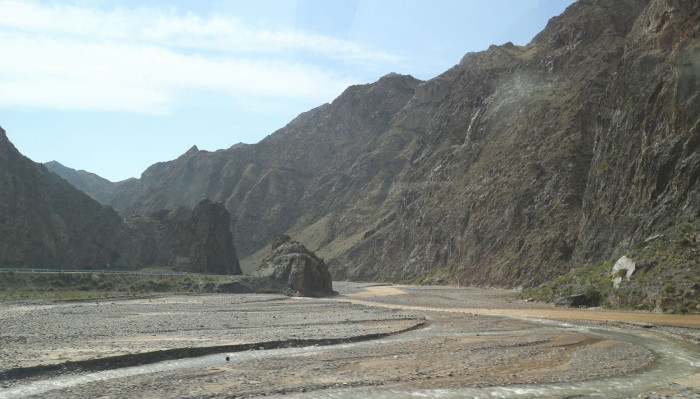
196,240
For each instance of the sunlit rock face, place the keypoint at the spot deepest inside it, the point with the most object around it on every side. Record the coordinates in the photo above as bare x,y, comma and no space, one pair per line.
296,268
623,268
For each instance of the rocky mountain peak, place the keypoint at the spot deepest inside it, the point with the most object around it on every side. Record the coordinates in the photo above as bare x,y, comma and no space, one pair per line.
5,144
589,22
397,78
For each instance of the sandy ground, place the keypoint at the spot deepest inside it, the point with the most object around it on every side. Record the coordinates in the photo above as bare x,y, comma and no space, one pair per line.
500,302
44,334
472,339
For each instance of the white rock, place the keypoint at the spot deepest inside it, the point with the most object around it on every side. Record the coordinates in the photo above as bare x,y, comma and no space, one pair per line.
624,263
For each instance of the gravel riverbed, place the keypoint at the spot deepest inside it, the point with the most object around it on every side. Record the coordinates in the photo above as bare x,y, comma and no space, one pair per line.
442,349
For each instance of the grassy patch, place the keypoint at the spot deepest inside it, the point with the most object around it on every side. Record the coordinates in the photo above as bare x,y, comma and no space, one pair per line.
69,286
594,280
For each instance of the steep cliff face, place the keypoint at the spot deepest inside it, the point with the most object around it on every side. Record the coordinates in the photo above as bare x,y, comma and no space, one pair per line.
567,150
646,158
45,222
197,240
508,169
496,188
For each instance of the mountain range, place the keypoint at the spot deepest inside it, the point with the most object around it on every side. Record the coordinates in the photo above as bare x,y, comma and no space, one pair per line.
45,222
508,169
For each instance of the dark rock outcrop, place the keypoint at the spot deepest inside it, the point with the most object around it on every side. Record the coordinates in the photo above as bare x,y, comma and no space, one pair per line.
196,240
212,247
571,301
295,268
508,169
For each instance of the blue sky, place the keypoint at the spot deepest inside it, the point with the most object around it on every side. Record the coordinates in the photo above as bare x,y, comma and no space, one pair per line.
114,86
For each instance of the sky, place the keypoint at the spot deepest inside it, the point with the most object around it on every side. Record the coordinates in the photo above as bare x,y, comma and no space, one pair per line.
113,87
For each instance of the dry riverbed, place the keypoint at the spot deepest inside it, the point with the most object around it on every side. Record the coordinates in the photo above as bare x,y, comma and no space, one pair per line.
424,341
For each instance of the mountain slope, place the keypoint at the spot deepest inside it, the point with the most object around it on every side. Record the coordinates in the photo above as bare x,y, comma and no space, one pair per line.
264,185
508,169
47,223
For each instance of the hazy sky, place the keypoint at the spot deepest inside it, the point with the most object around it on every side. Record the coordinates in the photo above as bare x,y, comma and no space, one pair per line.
115,86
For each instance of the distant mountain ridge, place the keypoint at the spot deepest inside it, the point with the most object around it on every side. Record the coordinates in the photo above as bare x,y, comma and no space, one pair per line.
95,186
508,169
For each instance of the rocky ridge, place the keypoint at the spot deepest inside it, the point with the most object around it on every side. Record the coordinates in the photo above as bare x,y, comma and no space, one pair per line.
510,168
95,186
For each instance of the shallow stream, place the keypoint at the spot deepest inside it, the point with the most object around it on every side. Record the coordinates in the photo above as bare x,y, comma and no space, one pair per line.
674,360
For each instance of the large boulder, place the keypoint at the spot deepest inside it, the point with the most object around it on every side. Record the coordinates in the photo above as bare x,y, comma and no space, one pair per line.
296,270
572,301
624,266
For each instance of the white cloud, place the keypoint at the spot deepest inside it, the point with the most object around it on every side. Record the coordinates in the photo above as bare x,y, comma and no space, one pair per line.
145,60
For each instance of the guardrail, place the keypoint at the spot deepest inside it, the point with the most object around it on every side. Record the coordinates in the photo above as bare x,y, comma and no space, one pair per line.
138,272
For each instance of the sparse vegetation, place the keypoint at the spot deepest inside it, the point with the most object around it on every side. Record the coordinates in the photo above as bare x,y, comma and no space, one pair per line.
667,276
69,286
593,280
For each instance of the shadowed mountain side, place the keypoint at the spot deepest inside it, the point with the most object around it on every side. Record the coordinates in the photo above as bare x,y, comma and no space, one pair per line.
508,169
196,240
47,223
